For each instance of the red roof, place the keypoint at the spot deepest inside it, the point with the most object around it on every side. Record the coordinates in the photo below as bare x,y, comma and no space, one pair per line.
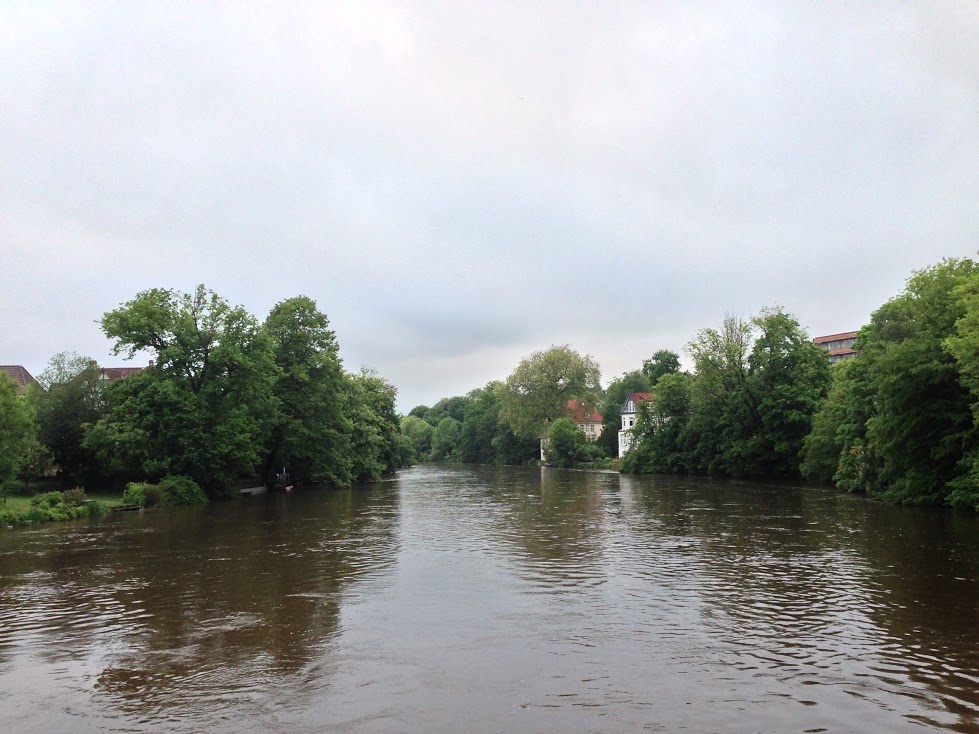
646,397
21,377
579,413
834,337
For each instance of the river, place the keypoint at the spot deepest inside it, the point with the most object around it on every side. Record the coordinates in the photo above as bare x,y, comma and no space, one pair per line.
494,599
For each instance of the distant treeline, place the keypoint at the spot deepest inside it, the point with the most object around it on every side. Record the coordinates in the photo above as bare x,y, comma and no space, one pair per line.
228,400
898,421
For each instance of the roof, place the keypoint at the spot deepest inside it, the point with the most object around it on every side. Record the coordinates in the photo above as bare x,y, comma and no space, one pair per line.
636,397
834,337
579,413
19,374
117,373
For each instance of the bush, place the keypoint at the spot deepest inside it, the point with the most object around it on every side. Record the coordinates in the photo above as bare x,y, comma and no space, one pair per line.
135,494
152,495
96,509
74,496
179,490
48,500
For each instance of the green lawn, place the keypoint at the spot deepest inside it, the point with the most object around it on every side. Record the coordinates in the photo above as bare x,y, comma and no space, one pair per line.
20,502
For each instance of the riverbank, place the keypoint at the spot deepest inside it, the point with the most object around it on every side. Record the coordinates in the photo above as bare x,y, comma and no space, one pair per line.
56,506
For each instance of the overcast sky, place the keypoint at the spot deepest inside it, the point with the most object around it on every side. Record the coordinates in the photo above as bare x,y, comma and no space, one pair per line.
459,184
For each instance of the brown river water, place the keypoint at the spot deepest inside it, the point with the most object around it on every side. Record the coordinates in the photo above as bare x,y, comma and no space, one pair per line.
491,599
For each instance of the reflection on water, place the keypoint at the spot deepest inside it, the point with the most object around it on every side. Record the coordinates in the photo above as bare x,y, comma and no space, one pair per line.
498,599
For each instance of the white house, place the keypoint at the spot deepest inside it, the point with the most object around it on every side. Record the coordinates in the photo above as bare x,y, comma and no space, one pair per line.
628,412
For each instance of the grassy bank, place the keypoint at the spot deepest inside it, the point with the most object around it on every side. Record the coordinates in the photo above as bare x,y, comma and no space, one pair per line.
20,511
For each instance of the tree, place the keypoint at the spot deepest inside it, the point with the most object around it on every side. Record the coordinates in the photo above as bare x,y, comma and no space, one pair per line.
916,354
377,446
74,399
62,367
17,428
454,407
615,395
419,435
206,409
445,439
538,390
789,377
566,443
663,362
310,433
747,409
657,446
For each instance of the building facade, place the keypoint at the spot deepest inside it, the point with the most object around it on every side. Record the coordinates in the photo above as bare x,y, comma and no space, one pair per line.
630,406
839,346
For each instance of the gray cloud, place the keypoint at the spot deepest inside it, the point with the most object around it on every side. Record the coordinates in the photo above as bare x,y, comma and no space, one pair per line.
458,185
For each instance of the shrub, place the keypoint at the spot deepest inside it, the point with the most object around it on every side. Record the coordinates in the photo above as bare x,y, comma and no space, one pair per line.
96,509
135,494
152,495
74,496
48,500
179,490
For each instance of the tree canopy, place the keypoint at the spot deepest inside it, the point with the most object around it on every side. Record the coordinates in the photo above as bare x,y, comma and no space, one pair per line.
539,389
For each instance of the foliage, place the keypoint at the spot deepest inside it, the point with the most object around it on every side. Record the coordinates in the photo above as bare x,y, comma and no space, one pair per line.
482,436
310,433
538,390
63,367
179,490
445,439
134,494
53,506
901,419
206,409
663,362
744,412
17,428
454,407
615,395
418,433
657,446
74,496
566,444
36,461
377,445
74,398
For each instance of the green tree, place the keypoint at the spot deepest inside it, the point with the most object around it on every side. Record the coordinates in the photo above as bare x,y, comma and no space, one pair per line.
375,438
566,443
479,426
963,345
789,377
206,409
419,435
615,395
751,401
310,433
454,407
75,398
538,390
17,427
663,362
917,353
657,437
63,367
445,439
